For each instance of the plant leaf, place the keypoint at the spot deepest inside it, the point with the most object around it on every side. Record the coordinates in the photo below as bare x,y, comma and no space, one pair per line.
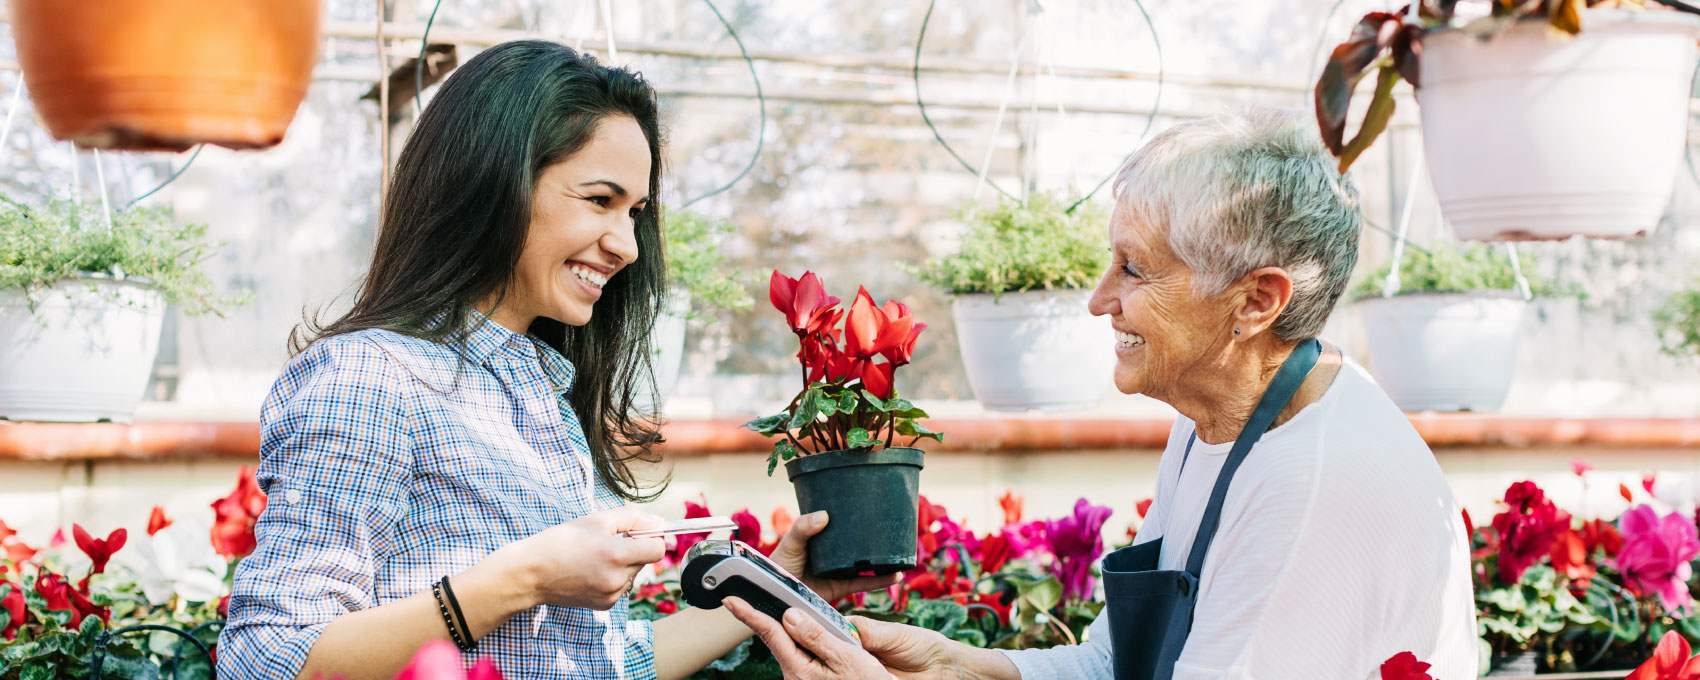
913,428
878,403
858,438
769,425
1376,119
782,449
1340,75
807,410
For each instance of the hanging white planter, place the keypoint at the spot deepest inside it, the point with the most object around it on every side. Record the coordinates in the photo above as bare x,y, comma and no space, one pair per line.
1444,351
84,353
1537,135
1037,350
667,349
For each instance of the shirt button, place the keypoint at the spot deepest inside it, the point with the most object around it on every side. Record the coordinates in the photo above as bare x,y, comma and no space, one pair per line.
292,496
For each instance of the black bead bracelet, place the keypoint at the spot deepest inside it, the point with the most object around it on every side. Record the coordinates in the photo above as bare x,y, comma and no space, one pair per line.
458,630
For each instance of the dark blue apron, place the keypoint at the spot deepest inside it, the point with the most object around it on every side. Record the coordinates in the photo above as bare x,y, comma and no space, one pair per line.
1150,609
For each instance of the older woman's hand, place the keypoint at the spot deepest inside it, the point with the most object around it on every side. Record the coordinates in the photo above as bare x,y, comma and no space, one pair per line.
804,650
793,555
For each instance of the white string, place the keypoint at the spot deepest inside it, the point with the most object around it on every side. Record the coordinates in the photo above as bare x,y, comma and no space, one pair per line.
76,174
608,26
997,121
105,203
1391,287
11,110
1517,271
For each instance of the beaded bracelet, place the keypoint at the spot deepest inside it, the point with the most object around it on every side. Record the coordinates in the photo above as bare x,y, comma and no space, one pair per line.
463,641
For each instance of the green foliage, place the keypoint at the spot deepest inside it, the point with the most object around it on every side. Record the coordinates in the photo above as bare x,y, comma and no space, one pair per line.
696,265
1017,247
1678,324
833,416
1450,269
40,246
1513,618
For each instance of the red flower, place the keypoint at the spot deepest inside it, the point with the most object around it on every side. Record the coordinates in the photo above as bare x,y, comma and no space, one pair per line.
86,607
1670,661
993,601
1012,506
13,604
869,331
994,553
1469,526
682,543
749,531
1526,529
903,349
99,550
13,548
1404,666
1647,481
804,302
1598,533
1143,507
667,607
877,379
57,593
1570,558
157,520
1623,490
234,517
224,606
948,584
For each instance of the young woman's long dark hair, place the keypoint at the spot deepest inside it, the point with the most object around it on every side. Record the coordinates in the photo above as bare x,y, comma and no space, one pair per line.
458,210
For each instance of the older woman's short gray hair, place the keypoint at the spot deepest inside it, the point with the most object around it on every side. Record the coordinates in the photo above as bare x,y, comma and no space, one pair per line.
1245,190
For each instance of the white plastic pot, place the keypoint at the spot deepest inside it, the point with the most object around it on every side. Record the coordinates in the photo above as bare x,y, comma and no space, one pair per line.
1538,135
83,355
1038,350
1444,352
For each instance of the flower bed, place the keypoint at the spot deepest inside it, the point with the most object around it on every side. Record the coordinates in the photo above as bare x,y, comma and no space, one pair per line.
1580,593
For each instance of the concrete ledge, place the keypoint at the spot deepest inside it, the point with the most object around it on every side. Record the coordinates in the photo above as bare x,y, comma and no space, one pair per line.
241,440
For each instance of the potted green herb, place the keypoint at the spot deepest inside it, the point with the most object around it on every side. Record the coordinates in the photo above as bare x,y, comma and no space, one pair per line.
847,438
1541,120
1678,323
1447,338
1021,282
82,302
699,280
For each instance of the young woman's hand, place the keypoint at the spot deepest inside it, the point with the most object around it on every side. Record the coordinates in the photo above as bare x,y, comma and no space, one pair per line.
793,555
586,562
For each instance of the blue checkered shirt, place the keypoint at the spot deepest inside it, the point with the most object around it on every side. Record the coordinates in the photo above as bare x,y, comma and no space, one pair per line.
391,461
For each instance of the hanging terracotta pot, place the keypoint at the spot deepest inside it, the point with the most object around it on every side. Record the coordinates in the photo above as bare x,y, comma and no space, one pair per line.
167,74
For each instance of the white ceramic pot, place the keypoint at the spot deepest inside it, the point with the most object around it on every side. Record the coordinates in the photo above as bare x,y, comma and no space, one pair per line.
1038,350
667,349
1444,352
1537,135
83,355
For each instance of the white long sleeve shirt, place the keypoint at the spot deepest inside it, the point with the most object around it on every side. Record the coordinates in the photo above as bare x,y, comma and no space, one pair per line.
1340,545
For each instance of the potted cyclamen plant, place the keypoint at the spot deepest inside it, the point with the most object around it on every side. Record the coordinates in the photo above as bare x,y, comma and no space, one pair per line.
839,436
1541,120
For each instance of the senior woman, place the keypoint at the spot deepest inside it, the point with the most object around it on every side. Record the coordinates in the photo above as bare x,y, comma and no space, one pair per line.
1301,528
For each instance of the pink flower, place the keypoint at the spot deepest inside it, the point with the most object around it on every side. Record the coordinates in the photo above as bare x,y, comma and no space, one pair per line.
1077,541
438,660
1656,554
1580,467
1526,529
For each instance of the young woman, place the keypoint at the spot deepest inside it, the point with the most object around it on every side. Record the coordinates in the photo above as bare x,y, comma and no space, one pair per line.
449,460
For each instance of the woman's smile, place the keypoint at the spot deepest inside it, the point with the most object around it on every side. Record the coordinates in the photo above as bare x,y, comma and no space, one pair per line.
588,278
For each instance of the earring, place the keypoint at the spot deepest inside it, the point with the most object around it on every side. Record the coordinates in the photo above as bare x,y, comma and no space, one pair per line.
1236,330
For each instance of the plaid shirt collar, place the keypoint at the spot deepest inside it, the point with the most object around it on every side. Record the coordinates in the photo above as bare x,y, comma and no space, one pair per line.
483,337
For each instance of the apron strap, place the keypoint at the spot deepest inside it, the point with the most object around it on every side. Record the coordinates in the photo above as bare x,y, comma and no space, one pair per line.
1275,398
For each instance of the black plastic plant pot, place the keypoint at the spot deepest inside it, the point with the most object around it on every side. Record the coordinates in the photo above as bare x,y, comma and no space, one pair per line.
870,499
